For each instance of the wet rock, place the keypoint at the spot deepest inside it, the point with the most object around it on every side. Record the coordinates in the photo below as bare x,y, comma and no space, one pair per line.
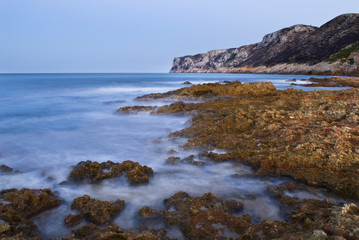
332,82
73,219
312,136
215,90
96,211
148,212
318,235
172,151
19,206
93,172
173,160
187,82
136,109
5,169
4,227
197,217
29,202
93,232
189,160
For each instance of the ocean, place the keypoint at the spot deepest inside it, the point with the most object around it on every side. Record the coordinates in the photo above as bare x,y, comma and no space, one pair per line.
51,122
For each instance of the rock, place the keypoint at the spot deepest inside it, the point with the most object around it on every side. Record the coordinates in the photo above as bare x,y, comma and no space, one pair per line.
198,217
148,212
4,227
113,231
318,235
29,202
5,169
17,208
96,211
212,91
190,160
136,109
187,82
173,160
73,219
331,49
93,172
312,136
332,82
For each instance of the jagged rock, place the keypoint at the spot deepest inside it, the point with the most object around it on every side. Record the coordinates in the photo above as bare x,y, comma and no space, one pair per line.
73,219
136,109
94,172
96,211
190,159
299,49
5,169
203,217
213,90
18,208
113,231
331,82
310,136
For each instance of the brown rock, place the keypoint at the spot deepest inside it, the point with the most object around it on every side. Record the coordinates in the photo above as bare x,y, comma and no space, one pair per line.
73,219
96,211
95,172
19,206
136,109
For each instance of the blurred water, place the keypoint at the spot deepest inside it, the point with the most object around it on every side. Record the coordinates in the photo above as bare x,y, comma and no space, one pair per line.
50,122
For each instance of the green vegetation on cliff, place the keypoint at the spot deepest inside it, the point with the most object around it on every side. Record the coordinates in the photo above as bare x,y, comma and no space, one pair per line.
344,53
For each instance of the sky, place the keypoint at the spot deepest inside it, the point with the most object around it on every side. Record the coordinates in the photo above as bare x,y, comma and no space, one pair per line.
86,36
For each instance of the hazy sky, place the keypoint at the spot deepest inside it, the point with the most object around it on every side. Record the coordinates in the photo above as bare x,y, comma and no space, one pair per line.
141,35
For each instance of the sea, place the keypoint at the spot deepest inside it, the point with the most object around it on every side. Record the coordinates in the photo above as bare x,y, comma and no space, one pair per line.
51,122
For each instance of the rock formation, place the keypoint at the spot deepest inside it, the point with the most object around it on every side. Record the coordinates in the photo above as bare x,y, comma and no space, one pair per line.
332,49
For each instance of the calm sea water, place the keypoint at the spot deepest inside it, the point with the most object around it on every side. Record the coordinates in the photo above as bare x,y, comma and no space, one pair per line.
50,122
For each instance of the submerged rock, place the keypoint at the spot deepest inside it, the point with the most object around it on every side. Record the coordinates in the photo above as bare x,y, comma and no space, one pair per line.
331,82
209,217
17,208
190,160
204,217
5,169
113,231
96,211
136,109
94,172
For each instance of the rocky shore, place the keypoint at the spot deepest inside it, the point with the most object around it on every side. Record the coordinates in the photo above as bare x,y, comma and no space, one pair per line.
331,49
311,137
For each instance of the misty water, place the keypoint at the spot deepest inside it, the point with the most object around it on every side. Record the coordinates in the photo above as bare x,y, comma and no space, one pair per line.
51,122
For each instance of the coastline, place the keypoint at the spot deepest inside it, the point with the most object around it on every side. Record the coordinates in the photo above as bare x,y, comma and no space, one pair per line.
278,132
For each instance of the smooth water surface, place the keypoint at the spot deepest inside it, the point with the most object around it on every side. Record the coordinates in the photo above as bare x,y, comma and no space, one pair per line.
50,122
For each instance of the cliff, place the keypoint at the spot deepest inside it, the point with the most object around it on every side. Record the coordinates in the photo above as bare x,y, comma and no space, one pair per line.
332,49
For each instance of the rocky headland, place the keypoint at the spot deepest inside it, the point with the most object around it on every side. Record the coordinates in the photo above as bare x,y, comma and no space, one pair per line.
331,49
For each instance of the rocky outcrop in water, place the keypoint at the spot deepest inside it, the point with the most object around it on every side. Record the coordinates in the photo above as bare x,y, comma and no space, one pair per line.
136,109
332,49
93,172
18,206
209,217
331,82
310,136
96,211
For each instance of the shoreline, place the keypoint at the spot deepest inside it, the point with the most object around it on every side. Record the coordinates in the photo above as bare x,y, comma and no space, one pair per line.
257,125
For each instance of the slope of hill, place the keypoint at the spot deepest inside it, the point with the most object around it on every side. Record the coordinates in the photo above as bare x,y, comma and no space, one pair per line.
332,49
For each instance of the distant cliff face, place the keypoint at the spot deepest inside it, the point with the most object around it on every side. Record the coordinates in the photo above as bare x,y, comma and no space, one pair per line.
330,49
